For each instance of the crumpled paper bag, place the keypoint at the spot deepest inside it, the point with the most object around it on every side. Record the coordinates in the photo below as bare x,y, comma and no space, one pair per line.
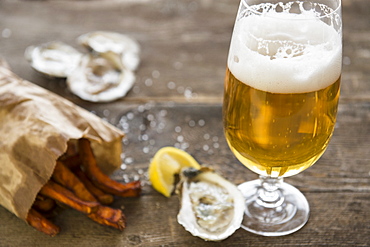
35,127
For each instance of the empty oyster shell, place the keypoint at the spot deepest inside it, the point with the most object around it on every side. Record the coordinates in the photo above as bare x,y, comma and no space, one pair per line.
103,42
105,74
100,78
212,208
55,58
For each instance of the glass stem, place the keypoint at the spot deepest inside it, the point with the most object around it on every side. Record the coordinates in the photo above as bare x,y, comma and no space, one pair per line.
269,194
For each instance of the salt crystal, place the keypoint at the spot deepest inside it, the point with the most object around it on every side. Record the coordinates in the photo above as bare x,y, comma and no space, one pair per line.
141,108
142,127
136,89
180,138
6,33
201,122
125,141
163,113
130,115
125,178
145,150
181,89
171,85
106,112
156,74
161,125
125,126
177,65
148,106
346,60
129,160
148,82
184,145
159,131
153,124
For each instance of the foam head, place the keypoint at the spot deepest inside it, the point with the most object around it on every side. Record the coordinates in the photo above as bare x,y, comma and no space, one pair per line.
283,52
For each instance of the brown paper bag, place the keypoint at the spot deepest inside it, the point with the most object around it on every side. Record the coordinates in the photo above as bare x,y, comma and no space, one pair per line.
35,126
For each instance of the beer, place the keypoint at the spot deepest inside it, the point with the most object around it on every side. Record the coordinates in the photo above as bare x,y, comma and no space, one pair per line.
281,94
278,134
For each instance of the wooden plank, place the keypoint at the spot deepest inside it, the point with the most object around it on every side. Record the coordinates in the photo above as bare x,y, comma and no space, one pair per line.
177,101
338,195
172,39
198,129
337,219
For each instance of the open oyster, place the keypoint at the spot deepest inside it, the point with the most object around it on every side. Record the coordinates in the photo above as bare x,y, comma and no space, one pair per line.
103,42
100,78
55,58
104,74
212,208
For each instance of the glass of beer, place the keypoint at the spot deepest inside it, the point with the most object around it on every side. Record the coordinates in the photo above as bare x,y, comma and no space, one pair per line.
280,104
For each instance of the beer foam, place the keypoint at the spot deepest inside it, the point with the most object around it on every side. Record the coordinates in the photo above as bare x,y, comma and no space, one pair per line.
285,53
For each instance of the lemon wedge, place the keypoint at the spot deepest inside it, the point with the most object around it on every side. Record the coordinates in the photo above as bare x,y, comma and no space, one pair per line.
166,163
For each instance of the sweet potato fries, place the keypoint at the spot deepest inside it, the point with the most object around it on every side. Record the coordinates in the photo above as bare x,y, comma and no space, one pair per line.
79,183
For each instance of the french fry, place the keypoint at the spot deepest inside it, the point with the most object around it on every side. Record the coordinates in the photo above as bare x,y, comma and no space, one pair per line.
78,182
103,198
109,217
43,204
68,179
71,161
101,180
71,148
63,195
42,224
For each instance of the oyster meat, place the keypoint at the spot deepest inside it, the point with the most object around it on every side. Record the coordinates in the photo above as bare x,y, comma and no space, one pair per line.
55,58
212,208
103,42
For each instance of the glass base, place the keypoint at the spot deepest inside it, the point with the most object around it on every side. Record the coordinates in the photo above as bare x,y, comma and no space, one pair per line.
286,215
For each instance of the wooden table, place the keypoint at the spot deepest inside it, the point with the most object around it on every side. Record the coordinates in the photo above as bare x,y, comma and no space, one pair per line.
176,101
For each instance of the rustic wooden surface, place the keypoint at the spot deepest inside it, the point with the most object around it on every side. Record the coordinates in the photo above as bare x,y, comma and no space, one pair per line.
177,97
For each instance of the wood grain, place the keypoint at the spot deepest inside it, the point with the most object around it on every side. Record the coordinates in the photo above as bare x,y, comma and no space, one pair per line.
177,101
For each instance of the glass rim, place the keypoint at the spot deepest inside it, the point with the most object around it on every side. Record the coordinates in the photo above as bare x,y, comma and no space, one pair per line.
335,11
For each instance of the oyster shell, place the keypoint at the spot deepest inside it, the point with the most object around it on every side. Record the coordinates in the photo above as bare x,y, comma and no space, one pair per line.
55,58
100,78
212,208
104,74
103,42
